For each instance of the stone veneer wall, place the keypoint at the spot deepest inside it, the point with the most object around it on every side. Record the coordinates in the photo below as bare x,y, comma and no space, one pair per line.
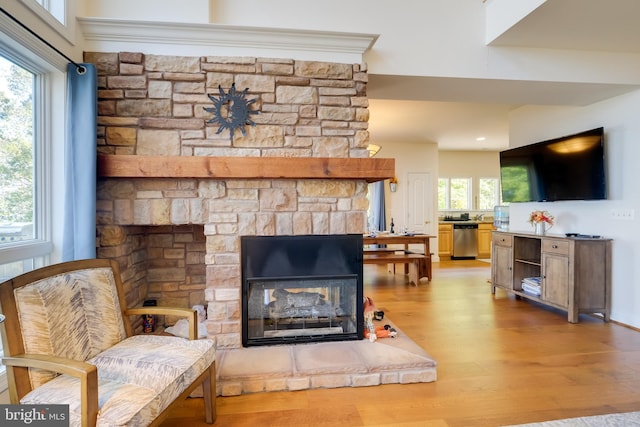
154,105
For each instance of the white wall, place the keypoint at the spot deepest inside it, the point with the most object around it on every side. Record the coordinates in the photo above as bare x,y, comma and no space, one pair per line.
475,164
503,14
410,157
449,36
150,10
439,38
619,117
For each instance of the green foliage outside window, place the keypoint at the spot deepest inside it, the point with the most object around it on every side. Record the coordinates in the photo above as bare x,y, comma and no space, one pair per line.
488,197
443,190
16,144
460,193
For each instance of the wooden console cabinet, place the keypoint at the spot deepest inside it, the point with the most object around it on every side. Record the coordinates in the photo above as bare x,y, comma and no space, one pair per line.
575,272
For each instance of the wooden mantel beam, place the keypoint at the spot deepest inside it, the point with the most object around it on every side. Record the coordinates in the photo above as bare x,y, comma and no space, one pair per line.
133,166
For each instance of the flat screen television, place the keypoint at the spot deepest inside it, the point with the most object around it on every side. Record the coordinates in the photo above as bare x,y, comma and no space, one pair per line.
568,168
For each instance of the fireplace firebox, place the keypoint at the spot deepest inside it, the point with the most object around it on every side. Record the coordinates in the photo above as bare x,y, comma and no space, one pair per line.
300,289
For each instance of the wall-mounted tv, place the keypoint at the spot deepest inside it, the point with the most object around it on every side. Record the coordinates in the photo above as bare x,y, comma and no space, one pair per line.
568,168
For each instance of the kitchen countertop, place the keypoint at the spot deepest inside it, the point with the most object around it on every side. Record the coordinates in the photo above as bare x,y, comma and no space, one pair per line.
465,222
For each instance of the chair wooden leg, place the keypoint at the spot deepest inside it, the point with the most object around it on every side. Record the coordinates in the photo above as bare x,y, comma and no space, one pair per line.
209,395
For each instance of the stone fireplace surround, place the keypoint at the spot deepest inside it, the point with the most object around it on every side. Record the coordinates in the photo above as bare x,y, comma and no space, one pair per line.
174,228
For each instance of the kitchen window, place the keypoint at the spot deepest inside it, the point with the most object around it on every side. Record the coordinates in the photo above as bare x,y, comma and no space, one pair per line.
459,194
488,193
454,193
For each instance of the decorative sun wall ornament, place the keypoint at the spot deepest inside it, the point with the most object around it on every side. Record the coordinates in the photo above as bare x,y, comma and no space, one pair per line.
231,110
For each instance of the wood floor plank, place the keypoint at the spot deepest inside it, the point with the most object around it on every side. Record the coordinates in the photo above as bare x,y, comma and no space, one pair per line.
501,361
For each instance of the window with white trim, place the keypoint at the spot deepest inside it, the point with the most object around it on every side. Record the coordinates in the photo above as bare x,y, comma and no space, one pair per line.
57,9
58,15
454,194
488,193
23,239
31,137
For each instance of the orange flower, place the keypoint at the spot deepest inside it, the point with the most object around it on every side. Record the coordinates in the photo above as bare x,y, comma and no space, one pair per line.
540,216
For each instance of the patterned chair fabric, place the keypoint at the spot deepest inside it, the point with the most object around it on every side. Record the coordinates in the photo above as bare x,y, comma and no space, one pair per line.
138,378
76,314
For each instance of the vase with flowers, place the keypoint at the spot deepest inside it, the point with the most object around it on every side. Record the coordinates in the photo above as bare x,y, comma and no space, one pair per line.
541,221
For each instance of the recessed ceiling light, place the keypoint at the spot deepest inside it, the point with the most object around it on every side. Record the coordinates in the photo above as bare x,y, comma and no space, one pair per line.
480,138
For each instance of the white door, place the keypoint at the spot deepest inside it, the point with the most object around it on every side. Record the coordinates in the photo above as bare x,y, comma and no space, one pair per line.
420,203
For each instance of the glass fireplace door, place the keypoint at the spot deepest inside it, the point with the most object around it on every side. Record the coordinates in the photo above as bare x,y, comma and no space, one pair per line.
300,309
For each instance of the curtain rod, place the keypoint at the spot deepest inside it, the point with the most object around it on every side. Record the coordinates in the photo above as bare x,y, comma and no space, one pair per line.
81,69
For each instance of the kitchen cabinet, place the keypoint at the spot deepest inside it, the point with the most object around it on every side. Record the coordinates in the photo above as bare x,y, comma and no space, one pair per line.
445,240
485,231
574,274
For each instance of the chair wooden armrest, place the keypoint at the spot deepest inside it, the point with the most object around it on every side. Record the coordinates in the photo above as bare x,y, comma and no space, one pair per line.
86,372
71,318
189,313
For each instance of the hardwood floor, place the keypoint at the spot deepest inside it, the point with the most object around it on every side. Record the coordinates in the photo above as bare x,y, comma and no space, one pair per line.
500,360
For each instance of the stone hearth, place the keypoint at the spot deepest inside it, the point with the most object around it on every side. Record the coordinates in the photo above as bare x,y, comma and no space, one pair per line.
323,365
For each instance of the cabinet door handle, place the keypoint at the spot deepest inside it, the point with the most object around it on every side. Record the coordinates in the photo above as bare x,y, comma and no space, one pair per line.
554,246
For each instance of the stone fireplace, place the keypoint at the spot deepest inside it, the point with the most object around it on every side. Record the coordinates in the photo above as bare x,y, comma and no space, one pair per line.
175,196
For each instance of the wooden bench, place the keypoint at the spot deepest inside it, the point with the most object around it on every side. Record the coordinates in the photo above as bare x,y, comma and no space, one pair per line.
380,250
413,261
391,268
416,263
425,265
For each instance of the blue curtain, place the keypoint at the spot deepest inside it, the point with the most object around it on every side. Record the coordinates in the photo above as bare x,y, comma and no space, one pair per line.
80,154
377,220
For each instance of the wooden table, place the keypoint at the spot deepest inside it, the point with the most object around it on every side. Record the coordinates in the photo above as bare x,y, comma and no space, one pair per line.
417,264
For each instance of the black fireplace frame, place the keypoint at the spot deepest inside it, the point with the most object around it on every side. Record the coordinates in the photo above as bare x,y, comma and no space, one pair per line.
301,257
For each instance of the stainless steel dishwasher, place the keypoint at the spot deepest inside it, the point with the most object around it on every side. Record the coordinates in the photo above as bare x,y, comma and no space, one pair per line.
465,240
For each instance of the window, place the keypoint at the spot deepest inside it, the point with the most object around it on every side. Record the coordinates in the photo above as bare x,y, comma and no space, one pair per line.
32,106
56,8
458,194
454,193
16,153
23,239
488,193
56,14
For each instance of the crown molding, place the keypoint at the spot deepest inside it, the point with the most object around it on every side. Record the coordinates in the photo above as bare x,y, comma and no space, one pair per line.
169,38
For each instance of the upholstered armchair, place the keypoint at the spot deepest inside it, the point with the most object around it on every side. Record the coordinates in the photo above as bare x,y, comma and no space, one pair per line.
68,340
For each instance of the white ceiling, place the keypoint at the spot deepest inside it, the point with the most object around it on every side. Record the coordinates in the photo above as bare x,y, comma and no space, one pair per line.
454,112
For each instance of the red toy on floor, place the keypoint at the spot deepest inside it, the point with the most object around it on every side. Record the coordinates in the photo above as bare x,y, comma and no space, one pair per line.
385,331
372,332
